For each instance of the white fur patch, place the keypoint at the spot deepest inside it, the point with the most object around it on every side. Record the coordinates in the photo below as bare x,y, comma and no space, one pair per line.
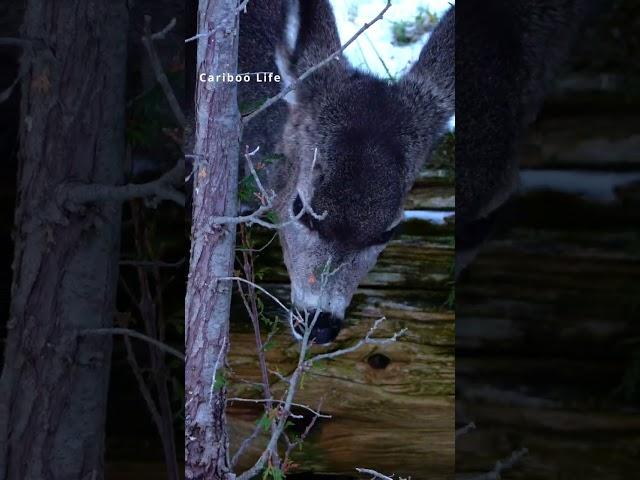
283,53
282,62
292,27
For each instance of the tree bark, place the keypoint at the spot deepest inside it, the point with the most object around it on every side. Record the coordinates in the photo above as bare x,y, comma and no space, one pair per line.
214,194
53,389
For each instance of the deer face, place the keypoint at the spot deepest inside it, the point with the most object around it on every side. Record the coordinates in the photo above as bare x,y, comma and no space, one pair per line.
346,193
355,144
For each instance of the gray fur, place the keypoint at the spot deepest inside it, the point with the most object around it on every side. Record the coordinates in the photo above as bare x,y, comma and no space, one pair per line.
372,137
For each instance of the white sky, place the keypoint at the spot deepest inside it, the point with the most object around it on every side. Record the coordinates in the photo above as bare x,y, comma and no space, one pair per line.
352,14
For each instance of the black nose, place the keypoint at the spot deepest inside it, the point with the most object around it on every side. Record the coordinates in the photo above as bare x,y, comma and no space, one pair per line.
325,330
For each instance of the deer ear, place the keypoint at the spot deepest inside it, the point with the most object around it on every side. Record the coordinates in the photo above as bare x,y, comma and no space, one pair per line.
310,35
434,72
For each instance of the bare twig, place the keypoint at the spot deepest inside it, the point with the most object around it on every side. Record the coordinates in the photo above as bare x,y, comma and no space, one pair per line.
263,400
153,264
335,55
162,33
142,385
503,465
292,445
391,77
262,248
367,340
281,377
156,64
25,65
215,369
267,203
246,443
251,304
162,188
267,197
373,473
466,429
271,296
133,333
277,432
243,6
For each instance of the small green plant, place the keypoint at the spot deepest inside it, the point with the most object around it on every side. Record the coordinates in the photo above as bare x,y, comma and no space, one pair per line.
265,422
273,473
406,32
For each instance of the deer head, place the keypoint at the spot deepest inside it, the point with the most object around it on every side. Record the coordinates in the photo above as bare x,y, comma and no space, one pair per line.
355,144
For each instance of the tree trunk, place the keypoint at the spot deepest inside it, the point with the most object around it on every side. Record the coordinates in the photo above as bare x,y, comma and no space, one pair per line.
214,194
53,390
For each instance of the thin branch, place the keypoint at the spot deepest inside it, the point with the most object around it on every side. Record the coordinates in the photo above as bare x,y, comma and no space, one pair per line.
306,206
466,429
153,263
255,285
242,7
262,400
503,465
25,65
246,443
250,302
252,218
335,55
132,333
281,377
267,203
266,196
142,385
162,33
391,77
296,377
367,340
162,188
262,248
292,445
156,64
373,473
225,342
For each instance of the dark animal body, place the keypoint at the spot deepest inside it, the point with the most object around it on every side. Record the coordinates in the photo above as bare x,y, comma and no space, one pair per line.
507,53
351,145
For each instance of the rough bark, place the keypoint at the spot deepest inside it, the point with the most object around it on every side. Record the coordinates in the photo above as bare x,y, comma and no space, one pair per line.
53,390
214,194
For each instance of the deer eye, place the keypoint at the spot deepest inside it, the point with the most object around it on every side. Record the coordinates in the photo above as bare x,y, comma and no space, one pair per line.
306,219
297,206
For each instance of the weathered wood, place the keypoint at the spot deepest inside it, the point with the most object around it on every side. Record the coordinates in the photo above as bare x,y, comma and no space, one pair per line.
433,190
547,321
394,419
372,408
580,258
411,399
589,141
597,445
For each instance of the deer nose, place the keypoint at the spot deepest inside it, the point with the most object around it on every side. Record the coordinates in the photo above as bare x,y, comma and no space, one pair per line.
325,330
